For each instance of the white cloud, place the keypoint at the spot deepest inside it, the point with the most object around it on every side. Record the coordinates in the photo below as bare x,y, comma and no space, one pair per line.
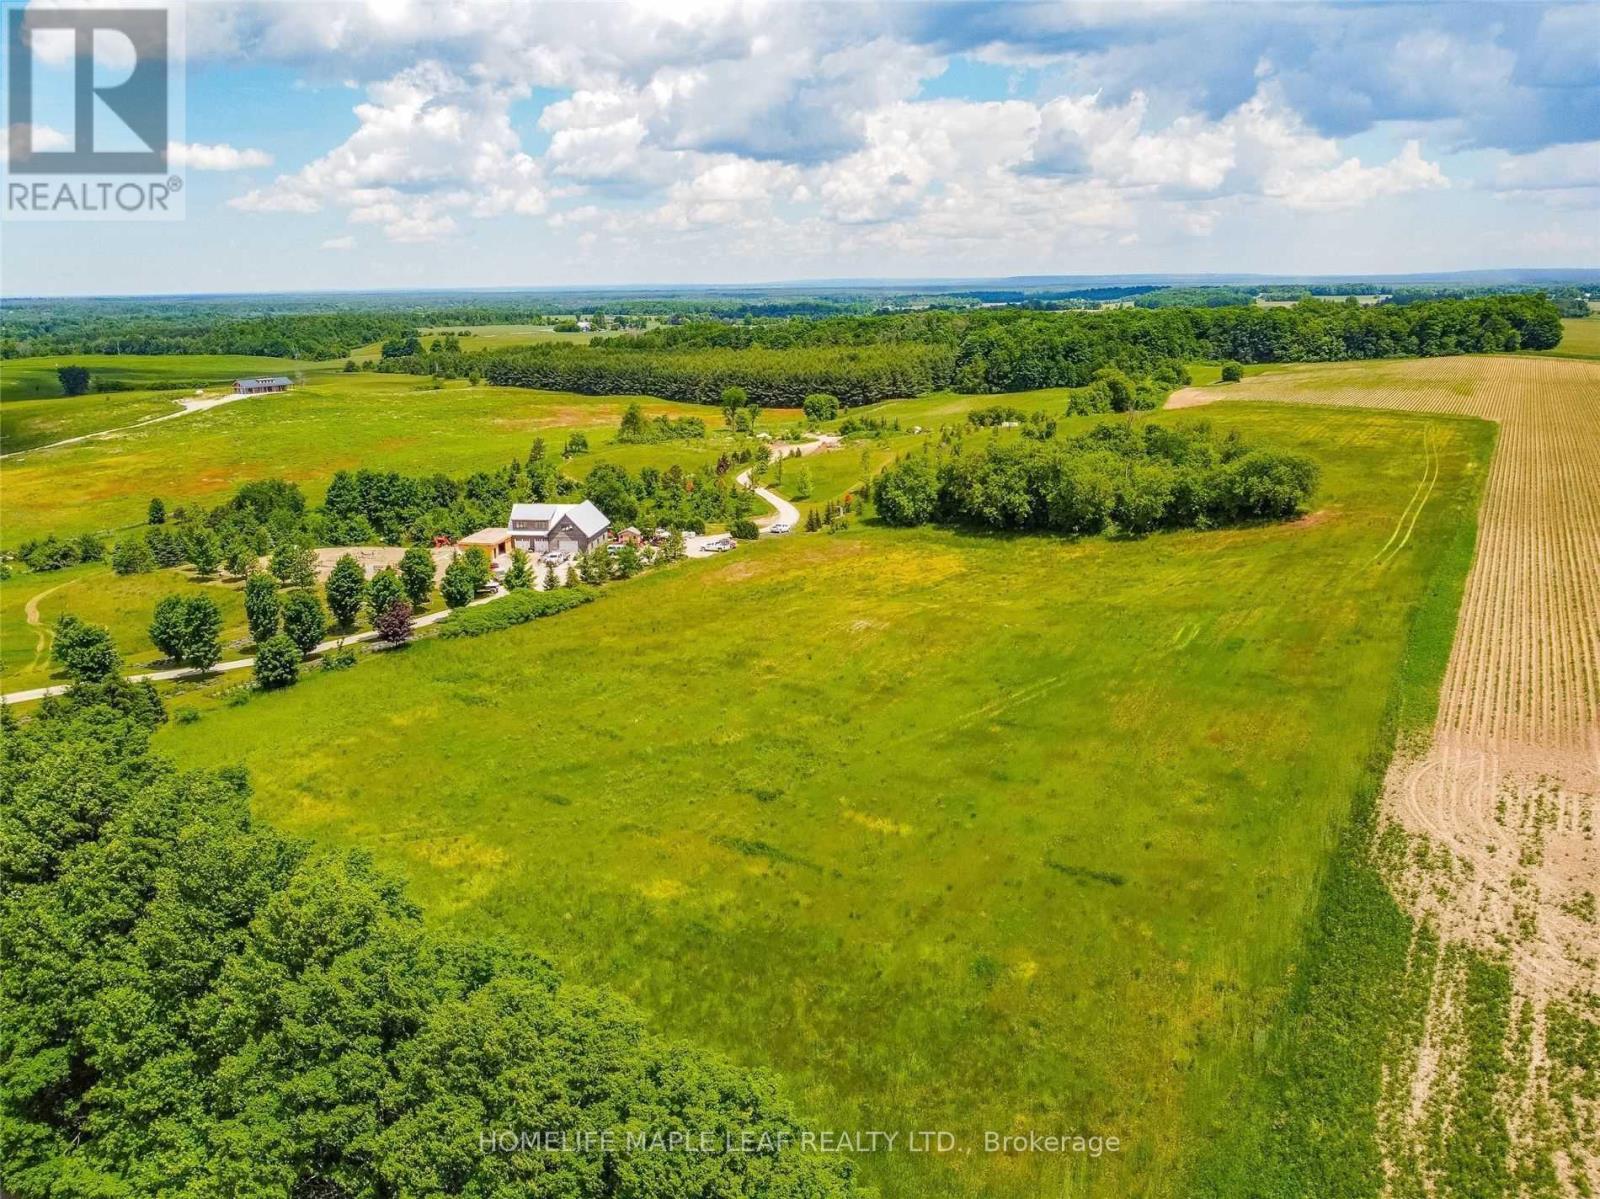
429,143
339,243
1571,166
220,157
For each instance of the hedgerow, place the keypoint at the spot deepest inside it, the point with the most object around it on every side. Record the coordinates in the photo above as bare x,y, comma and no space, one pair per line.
517,608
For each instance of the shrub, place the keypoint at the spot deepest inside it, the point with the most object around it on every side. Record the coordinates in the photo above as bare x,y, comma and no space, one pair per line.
277,662
517,608
132,557
744,529
1232,372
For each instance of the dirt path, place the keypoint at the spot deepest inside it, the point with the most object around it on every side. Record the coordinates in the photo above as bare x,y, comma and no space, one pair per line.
186,405
1501,805
30,612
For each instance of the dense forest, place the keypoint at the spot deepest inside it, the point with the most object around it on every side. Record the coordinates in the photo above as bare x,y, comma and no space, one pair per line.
197,1005
865,359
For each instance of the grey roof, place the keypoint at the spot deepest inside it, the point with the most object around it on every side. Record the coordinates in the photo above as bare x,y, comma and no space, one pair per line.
589,519
266,380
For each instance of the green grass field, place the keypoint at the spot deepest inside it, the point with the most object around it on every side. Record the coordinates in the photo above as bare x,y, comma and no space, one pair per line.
332,421
27,424
31,378
33,412
489,337
122,603
957,832
1580,338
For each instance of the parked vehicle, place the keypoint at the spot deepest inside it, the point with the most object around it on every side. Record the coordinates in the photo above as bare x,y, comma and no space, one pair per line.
778,527
556,557
719,545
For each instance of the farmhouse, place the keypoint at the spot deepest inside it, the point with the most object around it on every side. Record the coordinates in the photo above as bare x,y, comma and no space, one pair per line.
568,528
266,383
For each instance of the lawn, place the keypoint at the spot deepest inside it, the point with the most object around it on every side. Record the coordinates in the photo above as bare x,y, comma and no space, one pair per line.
331,421
956,832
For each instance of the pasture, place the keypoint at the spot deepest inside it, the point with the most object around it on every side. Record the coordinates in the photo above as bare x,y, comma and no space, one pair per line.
956,832
489,337
124,390
332,421
1580,338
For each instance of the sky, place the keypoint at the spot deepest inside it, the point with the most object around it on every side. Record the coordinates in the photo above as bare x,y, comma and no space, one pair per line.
507,143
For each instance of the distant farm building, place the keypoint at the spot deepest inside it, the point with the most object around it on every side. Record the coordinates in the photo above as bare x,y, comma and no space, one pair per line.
567,528
251,387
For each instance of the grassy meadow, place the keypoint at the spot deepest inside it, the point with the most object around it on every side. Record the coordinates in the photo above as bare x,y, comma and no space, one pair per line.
93,592
1580,338
957,832
329,422
124,389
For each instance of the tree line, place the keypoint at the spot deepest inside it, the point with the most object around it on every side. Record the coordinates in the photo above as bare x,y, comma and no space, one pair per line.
198,1005
1114,478
865,359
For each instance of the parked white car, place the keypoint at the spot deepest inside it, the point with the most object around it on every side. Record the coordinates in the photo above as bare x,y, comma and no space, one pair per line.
719,545
781,526
556,558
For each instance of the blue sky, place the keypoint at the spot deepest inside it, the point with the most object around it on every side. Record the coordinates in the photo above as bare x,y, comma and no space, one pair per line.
507,143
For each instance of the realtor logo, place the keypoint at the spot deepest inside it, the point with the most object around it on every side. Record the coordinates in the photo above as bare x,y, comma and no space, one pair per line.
139,101
92,98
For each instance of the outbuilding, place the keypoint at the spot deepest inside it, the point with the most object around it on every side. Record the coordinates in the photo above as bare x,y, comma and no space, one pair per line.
260,386
494,542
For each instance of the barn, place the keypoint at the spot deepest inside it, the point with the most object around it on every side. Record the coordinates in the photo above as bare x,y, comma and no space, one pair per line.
266,383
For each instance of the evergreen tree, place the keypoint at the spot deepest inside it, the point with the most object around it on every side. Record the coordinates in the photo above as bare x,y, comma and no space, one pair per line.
156,514
519,577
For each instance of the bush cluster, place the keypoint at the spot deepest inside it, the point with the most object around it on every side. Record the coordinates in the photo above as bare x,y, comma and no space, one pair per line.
517,608
1112,478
